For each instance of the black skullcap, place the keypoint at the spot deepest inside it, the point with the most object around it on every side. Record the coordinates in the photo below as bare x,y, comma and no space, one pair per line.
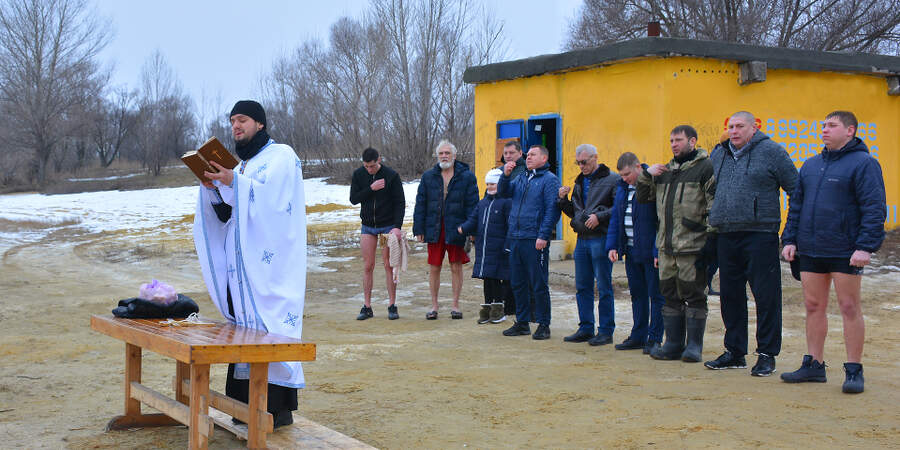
250,109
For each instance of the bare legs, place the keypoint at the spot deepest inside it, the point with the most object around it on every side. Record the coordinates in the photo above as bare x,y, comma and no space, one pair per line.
434,284
816,287
368,243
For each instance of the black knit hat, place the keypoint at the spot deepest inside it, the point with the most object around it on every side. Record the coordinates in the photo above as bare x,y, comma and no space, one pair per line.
250,109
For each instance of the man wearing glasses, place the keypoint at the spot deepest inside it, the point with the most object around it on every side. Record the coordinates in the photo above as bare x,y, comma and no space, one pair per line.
590,209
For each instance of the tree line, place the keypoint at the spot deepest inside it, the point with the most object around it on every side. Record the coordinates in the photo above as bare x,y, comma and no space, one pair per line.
390,78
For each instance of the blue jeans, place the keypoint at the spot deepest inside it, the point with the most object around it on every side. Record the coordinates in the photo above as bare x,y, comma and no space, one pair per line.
592,263
646,301
528,279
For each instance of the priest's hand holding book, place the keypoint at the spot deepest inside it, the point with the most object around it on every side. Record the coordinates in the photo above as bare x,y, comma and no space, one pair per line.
224,176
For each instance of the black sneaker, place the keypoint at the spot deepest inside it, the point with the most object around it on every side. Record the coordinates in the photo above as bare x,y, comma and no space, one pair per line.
727,360
365,313
518,329
579,336
392,313
630,344
765,366
854,383
810,370
600,339
542,332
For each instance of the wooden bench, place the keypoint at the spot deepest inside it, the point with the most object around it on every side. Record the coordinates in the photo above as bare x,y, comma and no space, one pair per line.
194,348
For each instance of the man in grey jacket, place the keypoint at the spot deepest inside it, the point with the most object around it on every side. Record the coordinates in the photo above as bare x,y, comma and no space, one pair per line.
750,171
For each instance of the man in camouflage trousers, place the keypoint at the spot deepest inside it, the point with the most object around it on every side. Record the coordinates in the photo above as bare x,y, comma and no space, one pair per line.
683,191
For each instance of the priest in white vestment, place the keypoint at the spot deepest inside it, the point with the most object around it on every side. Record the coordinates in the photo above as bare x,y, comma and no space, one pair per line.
250,235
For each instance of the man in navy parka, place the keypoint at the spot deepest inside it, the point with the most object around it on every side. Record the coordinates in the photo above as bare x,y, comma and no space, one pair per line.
835,223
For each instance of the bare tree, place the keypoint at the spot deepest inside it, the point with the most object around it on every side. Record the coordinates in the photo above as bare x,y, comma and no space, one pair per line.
391,79
828,25
48,51
166,122
112,123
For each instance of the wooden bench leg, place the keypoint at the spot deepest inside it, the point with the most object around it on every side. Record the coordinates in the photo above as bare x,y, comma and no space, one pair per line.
258,404
132,373
182,373
133,417
199,427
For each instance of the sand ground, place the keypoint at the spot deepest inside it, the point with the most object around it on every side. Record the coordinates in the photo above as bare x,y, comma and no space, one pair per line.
413,383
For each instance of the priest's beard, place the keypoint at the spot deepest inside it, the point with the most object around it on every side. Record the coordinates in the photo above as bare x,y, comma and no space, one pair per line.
445,164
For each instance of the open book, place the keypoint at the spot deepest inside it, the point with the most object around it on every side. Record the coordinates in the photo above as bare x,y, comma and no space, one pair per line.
211,150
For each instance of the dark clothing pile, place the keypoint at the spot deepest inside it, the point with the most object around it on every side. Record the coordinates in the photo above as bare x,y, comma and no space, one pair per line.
138,308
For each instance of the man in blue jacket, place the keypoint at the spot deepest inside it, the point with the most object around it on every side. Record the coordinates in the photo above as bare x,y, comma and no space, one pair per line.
590,209
632,235
532,218
835,223
750,170
447,193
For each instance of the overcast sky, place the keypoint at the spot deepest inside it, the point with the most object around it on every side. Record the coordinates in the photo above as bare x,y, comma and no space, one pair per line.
219,49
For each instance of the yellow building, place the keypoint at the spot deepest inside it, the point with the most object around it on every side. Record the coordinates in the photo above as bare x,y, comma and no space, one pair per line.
628,96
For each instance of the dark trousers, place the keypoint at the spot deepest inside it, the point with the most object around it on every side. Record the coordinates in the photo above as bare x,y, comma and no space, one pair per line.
646,300
497,291
750,257
280,398
529,274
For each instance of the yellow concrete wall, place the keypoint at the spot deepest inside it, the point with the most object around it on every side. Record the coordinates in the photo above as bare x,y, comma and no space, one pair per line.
632,105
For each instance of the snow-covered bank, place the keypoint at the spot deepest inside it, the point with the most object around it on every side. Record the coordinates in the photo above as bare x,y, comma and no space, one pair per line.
148,209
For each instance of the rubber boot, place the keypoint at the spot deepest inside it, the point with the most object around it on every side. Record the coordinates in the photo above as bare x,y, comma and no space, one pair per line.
673,321
695,322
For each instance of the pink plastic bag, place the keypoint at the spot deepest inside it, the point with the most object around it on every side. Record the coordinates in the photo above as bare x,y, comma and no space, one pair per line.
158,292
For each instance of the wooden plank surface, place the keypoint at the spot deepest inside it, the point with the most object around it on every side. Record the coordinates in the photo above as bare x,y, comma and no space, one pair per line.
222,343
304,434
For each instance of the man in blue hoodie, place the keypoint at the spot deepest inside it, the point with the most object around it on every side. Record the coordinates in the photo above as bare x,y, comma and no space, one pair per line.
835,223
750,170
533,216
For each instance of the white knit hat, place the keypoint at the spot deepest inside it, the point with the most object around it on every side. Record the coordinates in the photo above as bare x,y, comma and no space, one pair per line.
493,176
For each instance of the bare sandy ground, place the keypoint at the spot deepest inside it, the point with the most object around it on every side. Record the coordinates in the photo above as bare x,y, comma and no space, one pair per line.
413,383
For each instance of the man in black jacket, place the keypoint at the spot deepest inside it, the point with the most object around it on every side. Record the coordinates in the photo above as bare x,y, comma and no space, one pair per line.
379,189
590,209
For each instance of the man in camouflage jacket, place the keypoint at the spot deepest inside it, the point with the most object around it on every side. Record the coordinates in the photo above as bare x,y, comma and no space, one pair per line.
683,191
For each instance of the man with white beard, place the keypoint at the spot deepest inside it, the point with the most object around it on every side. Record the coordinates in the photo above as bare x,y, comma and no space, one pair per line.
447,194
250,235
